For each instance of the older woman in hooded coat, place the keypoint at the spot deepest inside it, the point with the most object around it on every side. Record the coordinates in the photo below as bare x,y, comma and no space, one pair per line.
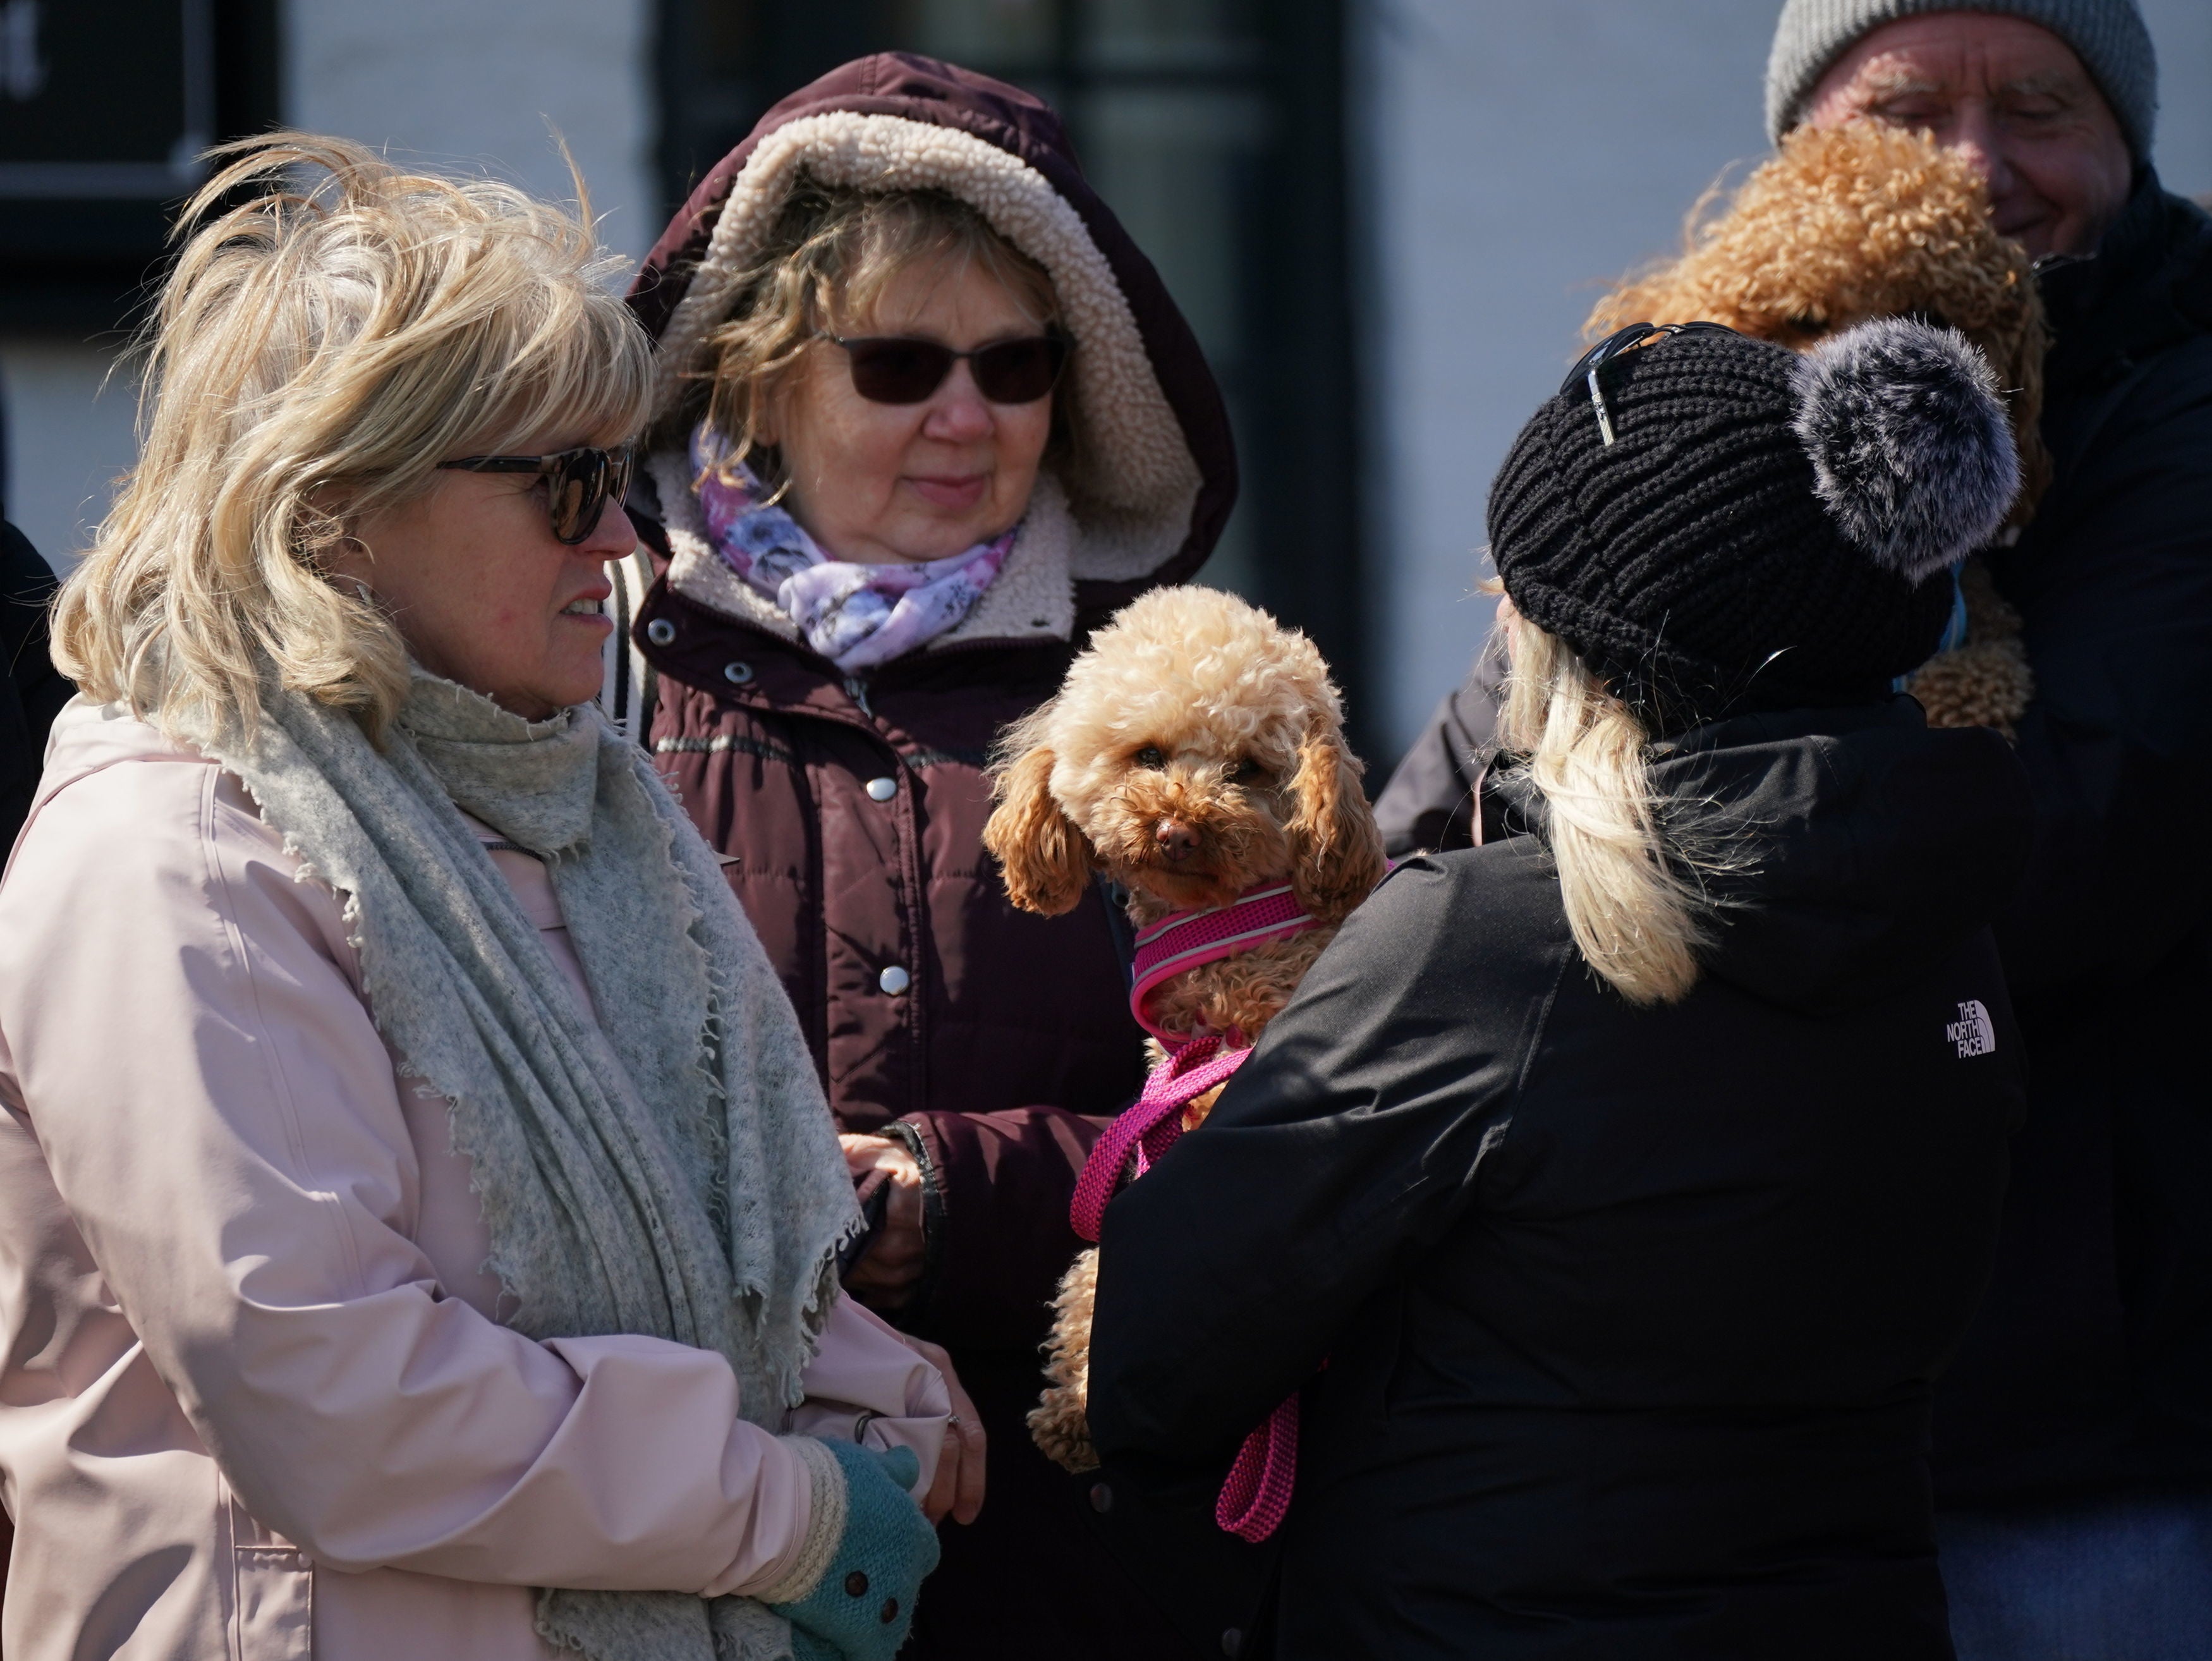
924,416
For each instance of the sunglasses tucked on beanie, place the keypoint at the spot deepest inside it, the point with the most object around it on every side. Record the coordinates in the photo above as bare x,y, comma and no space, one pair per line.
2108,36
1714,524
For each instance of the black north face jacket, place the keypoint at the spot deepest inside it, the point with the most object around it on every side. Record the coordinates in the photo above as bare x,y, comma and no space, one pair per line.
1616,1327
2088,1367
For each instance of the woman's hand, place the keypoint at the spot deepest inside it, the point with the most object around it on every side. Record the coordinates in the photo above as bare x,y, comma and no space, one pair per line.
958,1487
885,1277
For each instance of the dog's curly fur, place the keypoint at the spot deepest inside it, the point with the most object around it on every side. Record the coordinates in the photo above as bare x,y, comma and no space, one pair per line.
1985,681
1860,222
1194,707
1059,1424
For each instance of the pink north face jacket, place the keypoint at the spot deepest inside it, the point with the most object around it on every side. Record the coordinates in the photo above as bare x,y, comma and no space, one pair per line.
255,1403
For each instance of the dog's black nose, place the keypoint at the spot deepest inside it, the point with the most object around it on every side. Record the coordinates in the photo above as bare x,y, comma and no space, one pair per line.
1176,840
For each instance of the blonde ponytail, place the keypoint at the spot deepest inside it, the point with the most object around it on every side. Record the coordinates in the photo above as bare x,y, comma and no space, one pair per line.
1637,917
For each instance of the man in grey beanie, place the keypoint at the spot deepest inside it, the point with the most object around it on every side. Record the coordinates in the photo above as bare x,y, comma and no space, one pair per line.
2073,1433
2106,36
2056,100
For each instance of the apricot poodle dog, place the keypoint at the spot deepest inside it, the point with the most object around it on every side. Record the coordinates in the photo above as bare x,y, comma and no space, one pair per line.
1195,752
1859,221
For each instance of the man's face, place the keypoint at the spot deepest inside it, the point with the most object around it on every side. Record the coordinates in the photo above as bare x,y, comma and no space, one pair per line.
2012,96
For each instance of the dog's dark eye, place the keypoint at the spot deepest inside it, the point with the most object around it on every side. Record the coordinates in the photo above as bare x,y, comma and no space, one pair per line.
1149,756
1244,771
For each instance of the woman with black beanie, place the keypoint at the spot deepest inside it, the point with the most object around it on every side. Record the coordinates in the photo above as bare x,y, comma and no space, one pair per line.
1612,1191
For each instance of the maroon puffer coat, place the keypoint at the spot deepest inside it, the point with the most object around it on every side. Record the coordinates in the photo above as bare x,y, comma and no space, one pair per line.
850,809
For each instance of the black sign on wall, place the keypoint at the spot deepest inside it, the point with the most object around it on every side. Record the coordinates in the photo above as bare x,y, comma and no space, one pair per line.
105,107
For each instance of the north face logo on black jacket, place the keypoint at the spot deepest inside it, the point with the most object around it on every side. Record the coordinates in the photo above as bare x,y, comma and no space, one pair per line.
1972,1032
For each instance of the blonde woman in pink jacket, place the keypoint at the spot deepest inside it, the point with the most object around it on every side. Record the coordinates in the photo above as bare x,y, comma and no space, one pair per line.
418,1216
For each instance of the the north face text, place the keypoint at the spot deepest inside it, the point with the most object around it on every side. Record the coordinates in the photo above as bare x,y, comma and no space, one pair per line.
1972,1032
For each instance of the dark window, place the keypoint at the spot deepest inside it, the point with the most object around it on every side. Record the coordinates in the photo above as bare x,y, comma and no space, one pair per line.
103,109
1215,129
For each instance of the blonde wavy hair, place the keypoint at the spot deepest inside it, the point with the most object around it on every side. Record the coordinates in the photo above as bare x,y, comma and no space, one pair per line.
1631,891
834,252
318,347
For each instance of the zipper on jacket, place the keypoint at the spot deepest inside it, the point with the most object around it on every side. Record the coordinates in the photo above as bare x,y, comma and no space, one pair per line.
857,690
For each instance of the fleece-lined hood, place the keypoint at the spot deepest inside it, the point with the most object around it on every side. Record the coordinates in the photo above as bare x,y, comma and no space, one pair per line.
1852,843
1158,471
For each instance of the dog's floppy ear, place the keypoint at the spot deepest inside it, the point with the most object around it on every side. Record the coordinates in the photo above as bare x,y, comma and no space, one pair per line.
1336,851
1047,860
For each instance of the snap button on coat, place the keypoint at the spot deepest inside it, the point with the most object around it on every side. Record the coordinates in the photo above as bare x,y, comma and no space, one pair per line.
894,980
660,631
856,1585
737,674
882,789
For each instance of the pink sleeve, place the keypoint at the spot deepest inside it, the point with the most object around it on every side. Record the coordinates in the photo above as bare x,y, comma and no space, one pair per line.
867,1384
222,1119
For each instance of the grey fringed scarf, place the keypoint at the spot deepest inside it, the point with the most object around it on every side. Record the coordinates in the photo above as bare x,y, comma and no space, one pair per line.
672,1172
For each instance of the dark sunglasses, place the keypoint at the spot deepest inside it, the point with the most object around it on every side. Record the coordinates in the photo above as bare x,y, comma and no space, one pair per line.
900,370
579,484
1587,365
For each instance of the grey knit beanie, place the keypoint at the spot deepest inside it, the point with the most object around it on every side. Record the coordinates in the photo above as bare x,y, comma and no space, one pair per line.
2107,35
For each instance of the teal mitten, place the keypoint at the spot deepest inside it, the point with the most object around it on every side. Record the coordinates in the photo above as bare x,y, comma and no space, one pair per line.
861,1607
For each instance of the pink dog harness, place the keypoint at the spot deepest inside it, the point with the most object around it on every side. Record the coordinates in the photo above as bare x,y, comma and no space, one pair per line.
1257,1493
1184,940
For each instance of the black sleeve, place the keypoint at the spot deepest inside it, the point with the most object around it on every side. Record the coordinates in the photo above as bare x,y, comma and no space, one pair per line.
2118,602
33,693
1428,806
1345,1145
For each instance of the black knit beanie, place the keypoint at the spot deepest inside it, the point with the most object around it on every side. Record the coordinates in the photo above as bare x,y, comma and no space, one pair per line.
1766,528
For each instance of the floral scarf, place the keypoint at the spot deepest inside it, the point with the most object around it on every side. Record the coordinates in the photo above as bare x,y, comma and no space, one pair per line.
856,615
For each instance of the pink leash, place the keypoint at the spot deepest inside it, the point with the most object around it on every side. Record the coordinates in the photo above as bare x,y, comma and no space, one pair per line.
1149,1129
1257,1494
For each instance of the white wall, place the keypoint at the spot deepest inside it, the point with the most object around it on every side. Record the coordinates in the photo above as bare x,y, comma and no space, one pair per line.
2183,149
453,83
69,437
477,81
1515,156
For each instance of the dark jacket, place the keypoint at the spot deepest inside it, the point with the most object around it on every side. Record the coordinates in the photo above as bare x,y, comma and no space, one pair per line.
851,809
31,692
2089,1367
1616,1326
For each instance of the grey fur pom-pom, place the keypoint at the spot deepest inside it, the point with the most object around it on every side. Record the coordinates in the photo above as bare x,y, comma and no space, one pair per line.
1911,449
